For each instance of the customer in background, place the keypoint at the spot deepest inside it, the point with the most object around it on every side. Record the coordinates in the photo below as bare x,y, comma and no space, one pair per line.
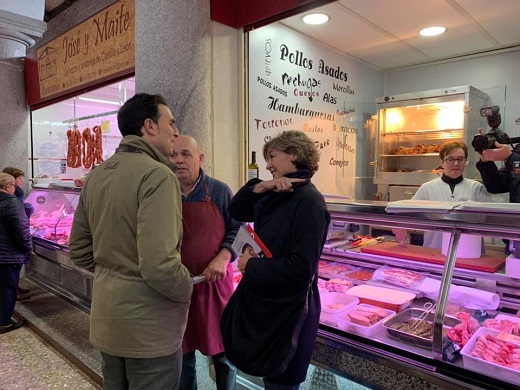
15,250
452,186
19,175
209,232
291,218
127,229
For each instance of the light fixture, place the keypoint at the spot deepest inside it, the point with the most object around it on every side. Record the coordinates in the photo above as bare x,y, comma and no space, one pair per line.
315,19
87,99
432,31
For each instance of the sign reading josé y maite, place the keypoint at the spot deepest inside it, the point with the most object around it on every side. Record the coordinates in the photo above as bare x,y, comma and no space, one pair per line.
99,47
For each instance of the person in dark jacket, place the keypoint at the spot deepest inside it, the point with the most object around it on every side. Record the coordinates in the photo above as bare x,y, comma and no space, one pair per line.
501,180
291,218
15,250
19,176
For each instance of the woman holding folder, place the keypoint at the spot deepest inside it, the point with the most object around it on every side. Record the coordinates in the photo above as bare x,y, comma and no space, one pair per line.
291,218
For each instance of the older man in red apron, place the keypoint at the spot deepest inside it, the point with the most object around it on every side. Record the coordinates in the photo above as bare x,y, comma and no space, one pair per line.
206,250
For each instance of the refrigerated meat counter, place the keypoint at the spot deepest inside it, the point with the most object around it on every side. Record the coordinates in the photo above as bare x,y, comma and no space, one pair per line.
50,224
374,357
387,358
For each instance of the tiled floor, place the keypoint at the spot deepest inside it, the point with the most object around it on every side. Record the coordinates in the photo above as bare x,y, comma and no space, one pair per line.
28,363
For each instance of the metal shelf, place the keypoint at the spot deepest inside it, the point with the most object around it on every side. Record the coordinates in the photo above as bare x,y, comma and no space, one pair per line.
422,132
411,155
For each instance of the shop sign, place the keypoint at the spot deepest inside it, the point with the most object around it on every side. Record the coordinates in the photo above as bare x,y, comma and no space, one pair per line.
101,46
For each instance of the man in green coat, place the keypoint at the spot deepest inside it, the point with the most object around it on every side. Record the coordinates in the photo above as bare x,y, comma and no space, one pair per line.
128,230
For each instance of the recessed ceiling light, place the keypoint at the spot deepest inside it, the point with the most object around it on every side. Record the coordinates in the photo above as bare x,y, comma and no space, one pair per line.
432,31
315,19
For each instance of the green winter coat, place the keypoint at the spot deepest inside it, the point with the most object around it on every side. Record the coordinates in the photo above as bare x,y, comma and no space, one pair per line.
128,230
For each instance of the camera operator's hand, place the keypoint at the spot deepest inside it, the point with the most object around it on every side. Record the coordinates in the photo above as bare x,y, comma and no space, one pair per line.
501,153
482,158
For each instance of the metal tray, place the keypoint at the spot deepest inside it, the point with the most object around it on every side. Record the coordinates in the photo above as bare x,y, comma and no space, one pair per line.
409,338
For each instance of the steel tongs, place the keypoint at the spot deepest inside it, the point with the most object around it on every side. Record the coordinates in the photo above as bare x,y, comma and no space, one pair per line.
429,307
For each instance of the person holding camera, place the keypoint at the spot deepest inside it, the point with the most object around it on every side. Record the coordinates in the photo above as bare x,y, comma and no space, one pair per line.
506,179
494,146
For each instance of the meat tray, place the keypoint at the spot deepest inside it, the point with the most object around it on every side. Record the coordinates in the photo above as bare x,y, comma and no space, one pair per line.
482,366
410,314
344,322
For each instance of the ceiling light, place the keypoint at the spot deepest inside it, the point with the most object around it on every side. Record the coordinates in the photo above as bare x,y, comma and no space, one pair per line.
87,99
432,31
315,19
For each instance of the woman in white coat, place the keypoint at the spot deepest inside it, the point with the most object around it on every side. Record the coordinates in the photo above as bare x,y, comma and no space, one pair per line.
452,186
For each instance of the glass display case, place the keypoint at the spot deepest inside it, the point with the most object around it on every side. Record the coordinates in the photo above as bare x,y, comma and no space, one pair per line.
50,224
413,127
54,209
435,306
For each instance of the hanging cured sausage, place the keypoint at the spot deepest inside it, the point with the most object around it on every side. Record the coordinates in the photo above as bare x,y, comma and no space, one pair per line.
88,148
74,148
98,145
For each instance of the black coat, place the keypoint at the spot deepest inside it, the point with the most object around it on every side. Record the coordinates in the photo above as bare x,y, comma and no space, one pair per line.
15,236
293,226
498,181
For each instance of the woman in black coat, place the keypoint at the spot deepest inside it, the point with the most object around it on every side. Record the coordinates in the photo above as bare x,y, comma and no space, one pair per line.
291,218
15,250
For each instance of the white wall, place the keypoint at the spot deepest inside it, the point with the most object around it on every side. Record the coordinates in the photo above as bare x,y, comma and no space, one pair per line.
496,74
297,83
228,120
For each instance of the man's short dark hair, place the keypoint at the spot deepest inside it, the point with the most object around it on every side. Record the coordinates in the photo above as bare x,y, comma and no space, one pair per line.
14,172
136,110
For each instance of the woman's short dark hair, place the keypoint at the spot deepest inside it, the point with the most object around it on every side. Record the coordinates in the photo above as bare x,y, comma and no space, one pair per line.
136,110
298,143
448,147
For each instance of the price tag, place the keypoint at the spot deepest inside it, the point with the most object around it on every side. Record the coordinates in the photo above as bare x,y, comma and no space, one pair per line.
105,126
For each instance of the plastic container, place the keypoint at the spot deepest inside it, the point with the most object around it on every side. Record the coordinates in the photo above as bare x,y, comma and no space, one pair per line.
403,278
515,323
361,275
332,270
470,246
386,298
327,316
340,301
513,267
367,331
483,366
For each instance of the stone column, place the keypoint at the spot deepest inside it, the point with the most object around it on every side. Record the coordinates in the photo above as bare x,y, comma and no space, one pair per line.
173,58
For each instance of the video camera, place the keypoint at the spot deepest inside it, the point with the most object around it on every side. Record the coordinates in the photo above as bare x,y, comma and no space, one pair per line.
482,142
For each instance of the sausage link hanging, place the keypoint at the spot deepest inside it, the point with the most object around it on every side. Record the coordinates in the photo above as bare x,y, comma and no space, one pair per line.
98,145
74,148
88,148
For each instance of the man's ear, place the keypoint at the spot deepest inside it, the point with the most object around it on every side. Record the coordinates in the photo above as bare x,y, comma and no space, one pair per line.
149,127
201,158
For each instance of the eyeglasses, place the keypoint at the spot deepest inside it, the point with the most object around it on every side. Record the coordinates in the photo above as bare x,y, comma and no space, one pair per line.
452,160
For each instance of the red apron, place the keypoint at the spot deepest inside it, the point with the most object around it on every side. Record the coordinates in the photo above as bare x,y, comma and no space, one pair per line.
204,230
